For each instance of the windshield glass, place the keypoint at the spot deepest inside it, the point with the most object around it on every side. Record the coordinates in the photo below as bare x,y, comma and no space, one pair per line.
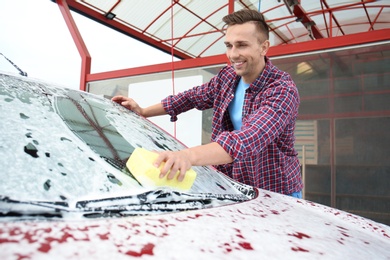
69,146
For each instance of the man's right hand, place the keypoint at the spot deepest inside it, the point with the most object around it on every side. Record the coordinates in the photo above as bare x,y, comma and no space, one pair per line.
128,103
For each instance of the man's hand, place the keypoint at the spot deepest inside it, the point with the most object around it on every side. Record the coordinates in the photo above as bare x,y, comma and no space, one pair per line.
208,154
178,161
128,103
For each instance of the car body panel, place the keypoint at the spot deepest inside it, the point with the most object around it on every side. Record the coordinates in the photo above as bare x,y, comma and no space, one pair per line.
62,152
271,226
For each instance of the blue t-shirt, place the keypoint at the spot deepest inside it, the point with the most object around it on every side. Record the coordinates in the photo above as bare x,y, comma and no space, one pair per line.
235,107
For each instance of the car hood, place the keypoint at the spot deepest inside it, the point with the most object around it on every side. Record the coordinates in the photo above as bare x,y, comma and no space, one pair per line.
271,226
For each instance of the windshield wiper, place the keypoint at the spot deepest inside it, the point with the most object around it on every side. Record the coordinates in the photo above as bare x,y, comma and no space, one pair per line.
18,208
155,202
147,203
21,72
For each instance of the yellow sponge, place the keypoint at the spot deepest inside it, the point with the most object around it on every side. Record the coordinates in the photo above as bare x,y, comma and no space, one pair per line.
141,167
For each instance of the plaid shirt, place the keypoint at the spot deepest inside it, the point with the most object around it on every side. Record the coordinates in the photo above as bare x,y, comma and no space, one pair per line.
263,150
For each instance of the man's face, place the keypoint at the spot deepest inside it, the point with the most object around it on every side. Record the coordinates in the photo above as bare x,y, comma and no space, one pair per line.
245,50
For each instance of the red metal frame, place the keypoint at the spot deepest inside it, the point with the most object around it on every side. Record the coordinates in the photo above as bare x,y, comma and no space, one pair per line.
296,48
121,27
81,47
189,62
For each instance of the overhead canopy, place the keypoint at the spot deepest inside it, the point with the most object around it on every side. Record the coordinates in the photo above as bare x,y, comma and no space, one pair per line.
194,28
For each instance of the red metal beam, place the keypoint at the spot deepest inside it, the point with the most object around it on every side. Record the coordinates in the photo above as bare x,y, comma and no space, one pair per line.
231,6
157,18
329,29
329,43
358,114
296,48
78,40
178,65
375,19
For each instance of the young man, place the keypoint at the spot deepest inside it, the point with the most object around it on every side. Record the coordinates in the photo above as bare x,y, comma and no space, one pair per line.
255,106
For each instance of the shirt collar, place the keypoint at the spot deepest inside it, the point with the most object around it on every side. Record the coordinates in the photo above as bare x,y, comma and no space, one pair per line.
261,80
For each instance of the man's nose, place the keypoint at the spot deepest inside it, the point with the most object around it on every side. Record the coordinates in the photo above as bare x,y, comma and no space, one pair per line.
233,53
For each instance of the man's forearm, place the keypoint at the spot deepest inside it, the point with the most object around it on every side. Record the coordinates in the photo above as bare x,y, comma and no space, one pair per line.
208,154
154,110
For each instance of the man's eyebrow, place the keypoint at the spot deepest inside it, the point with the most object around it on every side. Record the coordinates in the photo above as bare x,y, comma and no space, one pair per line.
235,42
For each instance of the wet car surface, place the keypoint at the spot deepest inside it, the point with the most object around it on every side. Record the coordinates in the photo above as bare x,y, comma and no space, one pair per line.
66,193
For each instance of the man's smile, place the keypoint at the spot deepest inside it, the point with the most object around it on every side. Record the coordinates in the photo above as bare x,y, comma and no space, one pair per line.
238,64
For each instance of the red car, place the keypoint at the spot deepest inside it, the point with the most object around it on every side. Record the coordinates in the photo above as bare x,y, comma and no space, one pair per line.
66,193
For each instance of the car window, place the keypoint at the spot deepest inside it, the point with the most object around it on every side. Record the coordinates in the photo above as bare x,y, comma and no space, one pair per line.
70,146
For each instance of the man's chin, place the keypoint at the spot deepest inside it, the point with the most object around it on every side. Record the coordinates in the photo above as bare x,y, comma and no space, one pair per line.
238,71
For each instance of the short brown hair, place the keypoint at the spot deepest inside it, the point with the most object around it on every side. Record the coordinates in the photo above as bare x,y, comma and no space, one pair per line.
245,16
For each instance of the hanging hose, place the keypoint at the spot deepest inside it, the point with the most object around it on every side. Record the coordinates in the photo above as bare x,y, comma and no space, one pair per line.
172,62
21,72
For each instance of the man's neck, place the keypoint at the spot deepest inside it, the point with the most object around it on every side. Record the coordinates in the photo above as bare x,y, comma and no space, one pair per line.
249,79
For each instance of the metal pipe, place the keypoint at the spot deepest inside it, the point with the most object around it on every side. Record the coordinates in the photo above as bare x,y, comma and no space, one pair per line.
304,171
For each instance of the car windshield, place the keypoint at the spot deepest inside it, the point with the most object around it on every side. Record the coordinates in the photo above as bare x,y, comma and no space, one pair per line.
65,151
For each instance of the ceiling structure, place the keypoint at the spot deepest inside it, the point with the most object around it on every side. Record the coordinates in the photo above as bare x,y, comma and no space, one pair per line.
194,28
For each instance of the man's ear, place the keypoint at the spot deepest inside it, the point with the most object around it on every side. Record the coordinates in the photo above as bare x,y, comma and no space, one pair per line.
265,47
